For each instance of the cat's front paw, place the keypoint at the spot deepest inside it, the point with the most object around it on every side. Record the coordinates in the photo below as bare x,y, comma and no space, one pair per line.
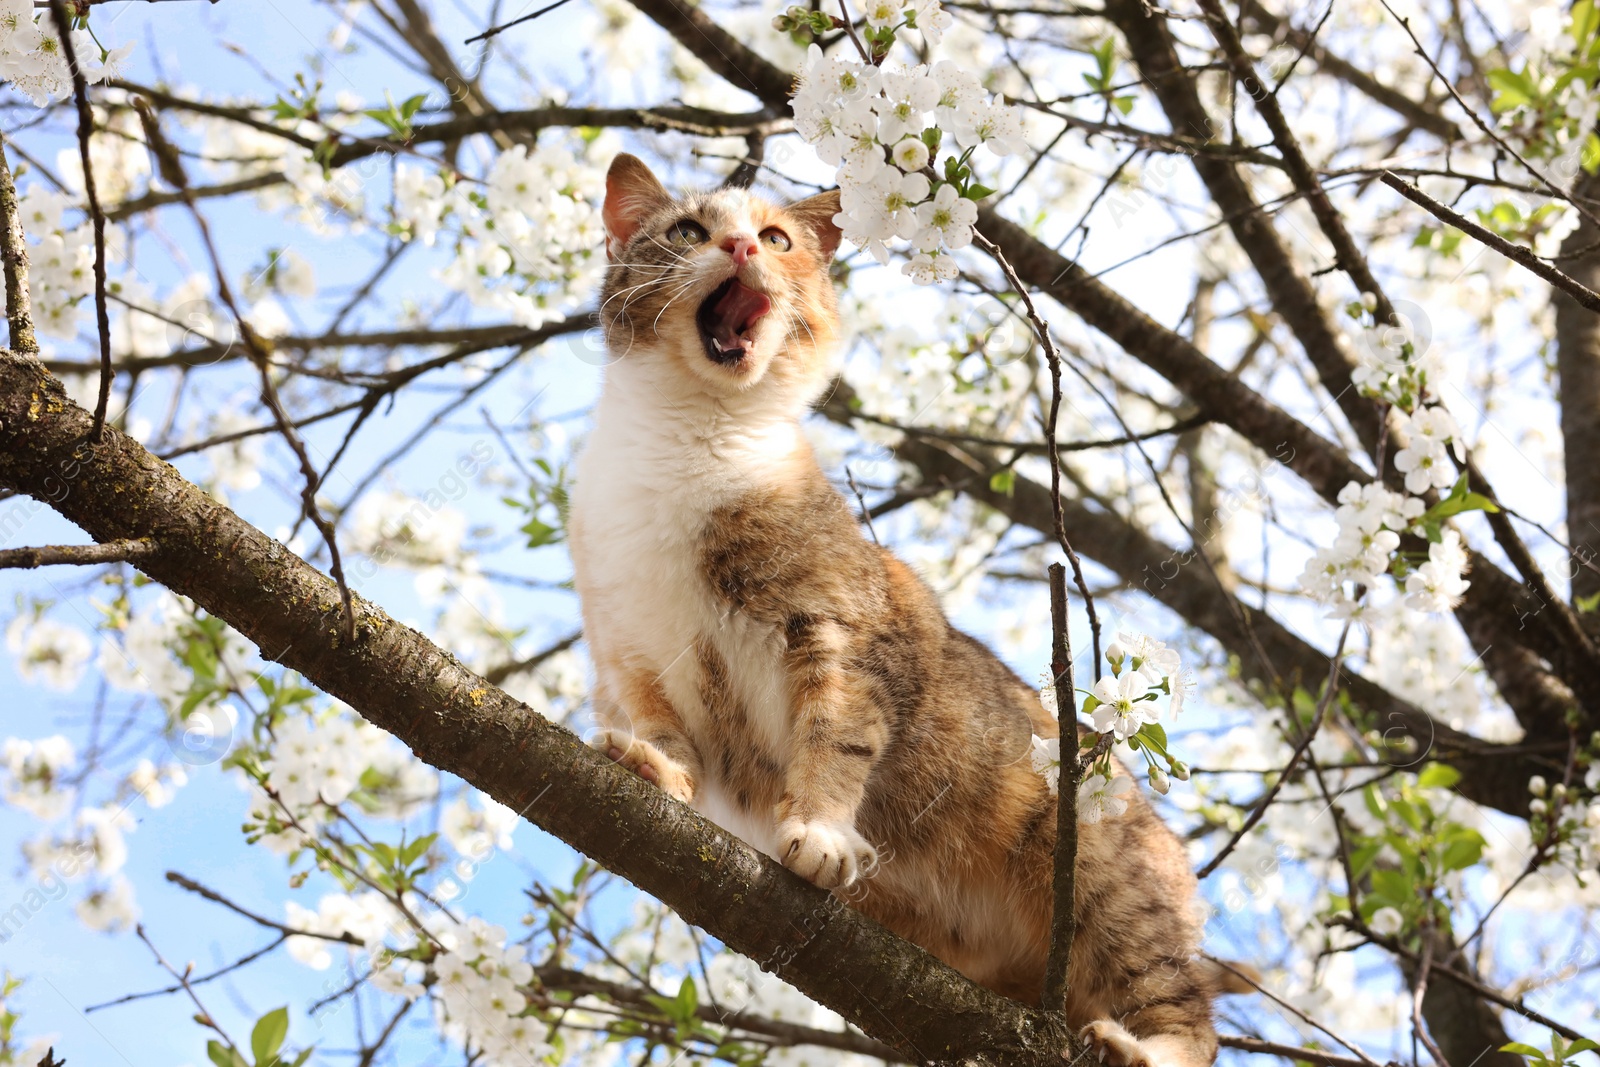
831,855
647,761
1114,1046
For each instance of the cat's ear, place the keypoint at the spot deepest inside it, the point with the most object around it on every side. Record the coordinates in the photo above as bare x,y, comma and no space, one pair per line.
632,194
817,213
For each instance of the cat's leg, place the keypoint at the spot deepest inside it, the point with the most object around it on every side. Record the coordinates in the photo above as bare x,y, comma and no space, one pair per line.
1113,1045
1168,1035
641,730
835,739
1163,1020
1169,1010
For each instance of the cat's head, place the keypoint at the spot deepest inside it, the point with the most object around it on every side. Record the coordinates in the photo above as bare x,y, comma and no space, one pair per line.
723,286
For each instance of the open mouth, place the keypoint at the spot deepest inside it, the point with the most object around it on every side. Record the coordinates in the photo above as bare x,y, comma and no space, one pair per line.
728,317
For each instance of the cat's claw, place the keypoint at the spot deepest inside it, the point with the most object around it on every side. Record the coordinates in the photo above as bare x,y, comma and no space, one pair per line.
830,855
647,761
1114,1046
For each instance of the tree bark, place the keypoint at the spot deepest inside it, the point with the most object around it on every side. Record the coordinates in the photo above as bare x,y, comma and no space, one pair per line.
1578,363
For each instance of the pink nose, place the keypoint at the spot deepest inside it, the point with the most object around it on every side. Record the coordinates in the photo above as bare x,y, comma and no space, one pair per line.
741,246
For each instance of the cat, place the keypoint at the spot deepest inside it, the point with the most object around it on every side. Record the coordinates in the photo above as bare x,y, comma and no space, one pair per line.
759,658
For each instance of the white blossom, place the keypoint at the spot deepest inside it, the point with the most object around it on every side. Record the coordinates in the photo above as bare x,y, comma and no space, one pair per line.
1122,709
1101,799
1046,760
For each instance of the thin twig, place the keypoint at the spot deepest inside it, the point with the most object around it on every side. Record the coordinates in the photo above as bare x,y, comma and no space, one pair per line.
1064,916
866,515
1418,991
1463,979
1289,1052
271,924
495,31
172,168
80,93
498,675
204,1017
131,550
1296,1012
1053,361
14,254
220,972
1488,131
1516,253
1328,692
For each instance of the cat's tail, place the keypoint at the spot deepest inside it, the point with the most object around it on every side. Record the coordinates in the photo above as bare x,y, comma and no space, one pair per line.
1230,976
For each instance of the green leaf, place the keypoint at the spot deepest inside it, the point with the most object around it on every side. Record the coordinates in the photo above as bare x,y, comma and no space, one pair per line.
1123,104
540,533
267,1037
1463,851
1003,481
1391,885
687,1000
1460,499
223,1056
1590,157
1438,776
977,192
1523,1050
410,853
1513,89
1376,803
1155,735
1361,858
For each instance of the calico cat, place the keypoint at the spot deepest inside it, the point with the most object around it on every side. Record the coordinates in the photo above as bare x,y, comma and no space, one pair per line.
760,659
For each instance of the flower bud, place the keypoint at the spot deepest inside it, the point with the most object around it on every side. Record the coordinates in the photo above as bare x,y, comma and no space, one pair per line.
1536,785
1180,770
1159,780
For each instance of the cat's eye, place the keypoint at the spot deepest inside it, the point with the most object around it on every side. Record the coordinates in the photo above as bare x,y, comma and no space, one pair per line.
775,239
687,232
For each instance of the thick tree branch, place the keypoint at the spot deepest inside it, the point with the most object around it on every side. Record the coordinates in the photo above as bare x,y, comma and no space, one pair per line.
459,723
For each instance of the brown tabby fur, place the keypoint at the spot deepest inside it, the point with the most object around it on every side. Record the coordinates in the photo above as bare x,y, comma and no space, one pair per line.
897,771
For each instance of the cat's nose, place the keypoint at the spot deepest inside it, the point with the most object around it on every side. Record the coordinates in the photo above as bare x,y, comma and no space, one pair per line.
741,246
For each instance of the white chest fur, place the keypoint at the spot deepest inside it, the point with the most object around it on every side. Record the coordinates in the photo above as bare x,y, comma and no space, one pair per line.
656,467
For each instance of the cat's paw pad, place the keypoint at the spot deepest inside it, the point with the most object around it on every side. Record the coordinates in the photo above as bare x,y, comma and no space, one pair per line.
1113,1045
647,761
831,855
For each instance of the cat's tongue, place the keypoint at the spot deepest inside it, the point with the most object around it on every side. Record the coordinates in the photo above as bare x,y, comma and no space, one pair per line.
728,317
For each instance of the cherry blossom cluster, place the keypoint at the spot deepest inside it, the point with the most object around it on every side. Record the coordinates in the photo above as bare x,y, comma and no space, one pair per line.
33,59
61,262
480,1003
884,128
1123,708
36,776
1372,518
1569,817
524,237
313,763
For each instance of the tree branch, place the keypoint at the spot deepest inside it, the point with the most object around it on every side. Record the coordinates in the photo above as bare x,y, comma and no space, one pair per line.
121,551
